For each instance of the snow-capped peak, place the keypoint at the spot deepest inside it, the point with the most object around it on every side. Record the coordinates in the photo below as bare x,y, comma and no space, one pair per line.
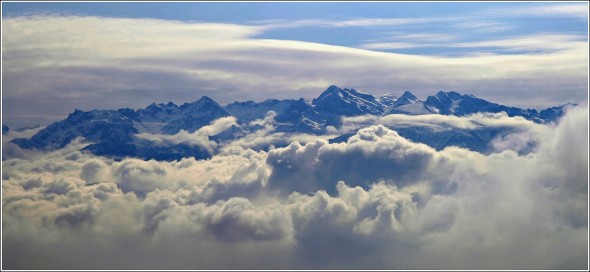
348,102
112,131
409,96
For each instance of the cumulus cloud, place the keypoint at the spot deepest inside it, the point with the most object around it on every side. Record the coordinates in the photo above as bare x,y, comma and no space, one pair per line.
266,136
10,150
377,201
372,154
500,131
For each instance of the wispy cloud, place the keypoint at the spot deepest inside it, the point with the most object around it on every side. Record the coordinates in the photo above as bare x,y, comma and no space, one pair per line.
571,10
466,21
52,65
396,45
424,37
473,121
362,22
480,26
533,43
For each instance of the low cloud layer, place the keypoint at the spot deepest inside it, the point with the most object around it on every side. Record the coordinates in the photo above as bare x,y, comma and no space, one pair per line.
197,138
441,122
377,201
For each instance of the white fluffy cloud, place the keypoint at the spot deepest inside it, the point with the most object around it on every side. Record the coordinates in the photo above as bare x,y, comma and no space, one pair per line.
373,154
266,136
198,138
518,134
438,121
376,201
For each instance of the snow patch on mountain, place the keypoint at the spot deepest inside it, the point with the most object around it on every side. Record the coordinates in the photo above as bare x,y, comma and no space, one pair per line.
408,103
143,132
346,102
197,138
249,111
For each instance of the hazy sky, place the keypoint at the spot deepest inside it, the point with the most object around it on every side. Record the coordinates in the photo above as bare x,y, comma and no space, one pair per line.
376,201
62,56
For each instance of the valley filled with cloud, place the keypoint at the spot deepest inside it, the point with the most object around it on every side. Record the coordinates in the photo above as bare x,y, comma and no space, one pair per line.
376,201
201,135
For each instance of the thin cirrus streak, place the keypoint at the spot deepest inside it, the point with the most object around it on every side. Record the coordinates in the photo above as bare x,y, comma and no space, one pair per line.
528,43
579,11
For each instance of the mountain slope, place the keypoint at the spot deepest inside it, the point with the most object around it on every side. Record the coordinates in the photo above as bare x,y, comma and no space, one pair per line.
453,103
110,132
301,116
476,140
554,113
195,115
408,103
113,132
249,111
387,100
346,102
155,116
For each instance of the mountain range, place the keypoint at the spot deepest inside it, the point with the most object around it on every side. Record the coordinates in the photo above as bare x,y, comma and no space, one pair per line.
113,133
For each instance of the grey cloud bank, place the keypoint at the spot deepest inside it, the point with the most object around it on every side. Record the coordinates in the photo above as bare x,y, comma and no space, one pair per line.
376,201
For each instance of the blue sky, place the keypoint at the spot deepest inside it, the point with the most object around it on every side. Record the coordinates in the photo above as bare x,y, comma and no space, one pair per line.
523,54
452,16
243,12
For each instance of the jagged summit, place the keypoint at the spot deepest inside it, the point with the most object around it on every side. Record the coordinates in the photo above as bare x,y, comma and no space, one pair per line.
346,102
408,95
204,101
192,116
454,103
406,98
333,92
387,99
408,103
113,132
331,89
444,102
453,95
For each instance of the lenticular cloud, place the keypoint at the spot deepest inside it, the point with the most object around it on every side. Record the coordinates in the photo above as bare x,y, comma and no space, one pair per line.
376,201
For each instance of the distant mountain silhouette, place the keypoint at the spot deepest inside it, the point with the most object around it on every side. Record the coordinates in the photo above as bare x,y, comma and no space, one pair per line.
112,132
